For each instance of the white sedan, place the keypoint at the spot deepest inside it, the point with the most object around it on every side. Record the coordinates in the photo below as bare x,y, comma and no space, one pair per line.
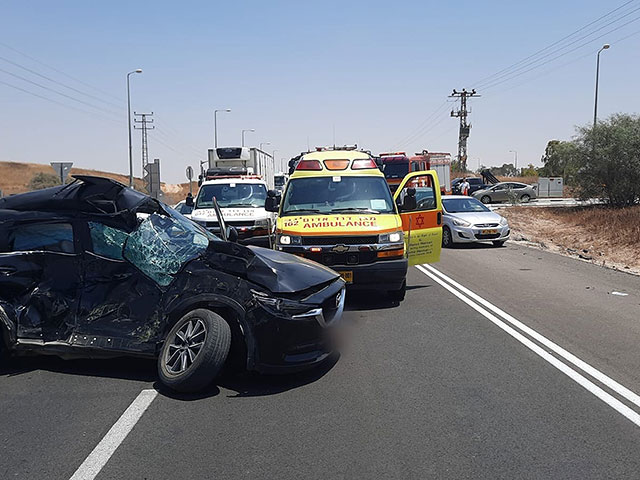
467,220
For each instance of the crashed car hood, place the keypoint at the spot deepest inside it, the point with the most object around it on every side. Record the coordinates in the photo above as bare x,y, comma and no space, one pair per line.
285,273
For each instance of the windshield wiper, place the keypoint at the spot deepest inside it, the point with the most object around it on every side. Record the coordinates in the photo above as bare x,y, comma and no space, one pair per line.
302,211
355,209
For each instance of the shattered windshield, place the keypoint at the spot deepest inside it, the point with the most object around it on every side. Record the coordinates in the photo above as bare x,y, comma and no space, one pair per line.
161,245
232,195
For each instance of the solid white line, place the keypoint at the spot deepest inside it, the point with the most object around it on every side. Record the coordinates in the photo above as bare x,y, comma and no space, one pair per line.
582,365
574,375
100,455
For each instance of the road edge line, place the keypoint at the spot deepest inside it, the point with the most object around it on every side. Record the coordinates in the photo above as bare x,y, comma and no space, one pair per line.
568,356
581,380
101,454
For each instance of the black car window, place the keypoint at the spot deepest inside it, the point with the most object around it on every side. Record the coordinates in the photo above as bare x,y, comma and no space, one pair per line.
107,241
475,181
48,237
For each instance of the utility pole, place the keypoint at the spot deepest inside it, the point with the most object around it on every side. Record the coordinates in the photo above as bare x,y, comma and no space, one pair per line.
465,127
144,126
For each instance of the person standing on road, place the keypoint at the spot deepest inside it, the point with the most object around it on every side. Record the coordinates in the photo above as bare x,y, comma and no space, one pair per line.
464,187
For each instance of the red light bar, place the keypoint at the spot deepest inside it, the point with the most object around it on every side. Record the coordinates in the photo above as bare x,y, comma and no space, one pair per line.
393,154
309,165
363,163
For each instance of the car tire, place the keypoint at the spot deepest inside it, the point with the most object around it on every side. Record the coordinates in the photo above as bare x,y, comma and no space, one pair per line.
525,198
398,295
498,243
447,239
485,199
194,351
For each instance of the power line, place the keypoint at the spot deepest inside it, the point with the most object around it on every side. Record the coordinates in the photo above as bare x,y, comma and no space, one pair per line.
58,71
491,85
513,73
57,92
483,80
59,103
59,83
417,131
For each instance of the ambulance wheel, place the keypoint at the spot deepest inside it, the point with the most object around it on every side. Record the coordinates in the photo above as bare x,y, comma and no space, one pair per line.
398,295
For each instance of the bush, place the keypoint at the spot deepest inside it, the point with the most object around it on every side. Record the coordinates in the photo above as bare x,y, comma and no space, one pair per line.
43,180
608,157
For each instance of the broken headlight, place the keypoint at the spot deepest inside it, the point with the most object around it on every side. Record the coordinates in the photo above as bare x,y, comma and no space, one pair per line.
280,306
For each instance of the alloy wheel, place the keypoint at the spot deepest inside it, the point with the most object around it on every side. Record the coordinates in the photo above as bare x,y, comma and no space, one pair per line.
185,346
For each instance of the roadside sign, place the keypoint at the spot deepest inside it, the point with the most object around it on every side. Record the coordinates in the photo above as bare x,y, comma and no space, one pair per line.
62,169
189,173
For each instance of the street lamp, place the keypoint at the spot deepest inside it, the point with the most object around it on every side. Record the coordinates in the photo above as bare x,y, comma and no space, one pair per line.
273,155
264,143
215,125
516,159
247,130
137,70
595,106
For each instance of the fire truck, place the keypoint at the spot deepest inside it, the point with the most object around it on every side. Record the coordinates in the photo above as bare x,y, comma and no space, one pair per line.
396,165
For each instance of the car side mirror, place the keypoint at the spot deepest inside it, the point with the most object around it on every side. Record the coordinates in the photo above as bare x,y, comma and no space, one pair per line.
272,203
232,234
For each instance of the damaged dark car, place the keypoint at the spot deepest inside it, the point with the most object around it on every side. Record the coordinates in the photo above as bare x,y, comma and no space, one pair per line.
95,269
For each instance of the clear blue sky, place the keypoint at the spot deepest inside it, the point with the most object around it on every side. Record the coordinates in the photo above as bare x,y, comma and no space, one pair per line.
294,70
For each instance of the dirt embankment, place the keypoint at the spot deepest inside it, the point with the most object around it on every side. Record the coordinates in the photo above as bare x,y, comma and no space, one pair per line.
15,178
601,235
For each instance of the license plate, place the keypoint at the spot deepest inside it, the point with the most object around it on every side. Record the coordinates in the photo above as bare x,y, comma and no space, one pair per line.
489,232
347,276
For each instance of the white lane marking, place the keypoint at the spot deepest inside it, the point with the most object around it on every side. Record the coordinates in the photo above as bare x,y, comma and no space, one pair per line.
582,365
100,455
571,373
620,294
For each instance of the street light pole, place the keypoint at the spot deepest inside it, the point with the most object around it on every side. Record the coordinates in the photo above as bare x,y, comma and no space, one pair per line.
138,70
247,130
516,159
215,125
264,143
595,106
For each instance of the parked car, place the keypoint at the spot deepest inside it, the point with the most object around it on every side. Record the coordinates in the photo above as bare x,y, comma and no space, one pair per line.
466,220
507,192
94,268
475,184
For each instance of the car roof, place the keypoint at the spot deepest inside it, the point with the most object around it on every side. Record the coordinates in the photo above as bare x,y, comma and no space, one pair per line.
456,197
86,194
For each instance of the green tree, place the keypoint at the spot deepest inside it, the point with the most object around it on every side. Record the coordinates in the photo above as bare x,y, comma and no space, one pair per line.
608,157
43,180
559,160
529,171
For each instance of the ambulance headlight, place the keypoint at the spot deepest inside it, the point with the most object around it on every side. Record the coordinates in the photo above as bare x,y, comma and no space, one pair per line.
393,237
262,223
289,240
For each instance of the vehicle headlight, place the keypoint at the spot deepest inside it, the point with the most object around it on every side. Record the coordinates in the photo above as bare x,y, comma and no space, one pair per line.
289,240
503,221
393,237
461,223
280,306
262,223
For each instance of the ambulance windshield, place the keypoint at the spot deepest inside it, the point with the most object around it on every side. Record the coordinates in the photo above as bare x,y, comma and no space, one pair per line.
334,195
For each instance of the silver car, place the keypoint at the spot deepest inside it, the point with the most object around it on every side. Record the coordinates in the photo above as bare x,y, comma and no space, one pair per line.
466,220
506,192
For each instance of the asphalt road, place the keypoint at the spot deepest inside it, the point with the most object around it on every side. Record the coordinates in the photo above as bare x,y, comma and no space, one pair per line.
432,388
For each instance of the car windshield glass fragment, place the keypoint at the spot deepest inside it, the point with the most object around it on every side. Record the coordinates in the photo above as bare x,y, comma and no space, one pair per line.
346,194
161,245
396,169
232,195
460,205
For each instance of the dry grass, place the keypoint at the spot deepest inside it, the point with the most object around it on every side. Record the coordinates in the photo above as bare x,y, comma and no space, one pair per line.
603,235
15,178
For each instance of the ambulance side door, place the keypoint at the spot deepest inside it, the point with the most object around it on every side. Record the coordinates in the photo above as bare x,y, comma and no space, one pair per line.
420,206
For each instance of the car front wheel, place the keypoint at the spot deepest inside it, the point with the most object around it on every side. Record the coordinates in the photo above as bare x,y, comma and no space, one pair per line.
525,198
447,240
485,199
194,351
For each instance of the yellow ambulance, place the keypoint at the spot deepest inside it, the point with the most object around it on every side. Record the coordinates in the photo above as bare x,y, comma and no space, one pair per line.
337,210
